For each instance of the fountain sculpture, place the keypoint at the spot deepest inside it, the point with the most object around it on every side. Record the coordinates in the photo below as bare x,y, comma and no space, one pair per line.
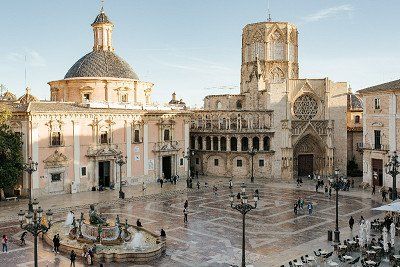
114,241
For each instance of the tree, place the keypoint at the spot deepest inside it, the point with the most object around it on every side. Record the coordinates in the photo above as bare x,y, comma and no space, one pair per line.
11,159
352,168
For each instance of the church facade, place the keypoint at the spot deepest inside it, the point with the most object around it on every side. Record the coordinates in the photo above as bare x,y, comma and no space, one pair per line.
279,125
100,109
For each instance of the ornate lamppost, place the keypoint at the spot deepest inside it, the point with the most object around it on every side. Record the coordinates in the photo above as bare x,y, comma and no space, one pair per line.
120,160
33,224
252,153
337,232
392,168
188,155
30,167
243,207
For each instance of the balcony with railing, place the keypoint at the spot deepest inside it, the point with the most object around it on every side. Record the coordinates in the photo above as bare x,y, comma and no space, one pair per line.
367,146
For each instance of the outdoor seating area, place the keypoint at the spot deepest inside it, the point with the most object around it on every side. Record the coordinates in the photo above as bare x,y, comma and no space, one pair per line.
375,243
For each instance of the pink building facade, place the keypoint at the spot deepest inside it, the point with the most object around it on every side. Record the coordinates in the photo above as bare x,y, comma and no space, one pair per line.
100,109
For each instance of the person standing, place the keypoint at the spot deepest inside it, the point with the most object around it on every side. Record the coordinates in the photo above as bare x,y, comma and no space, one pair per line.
351,223
384,199
316,187
4,242
185,215
144,187
23,238
186,205
310,208
230,184
330,192
326,190
373,189
198,185
161,182
295,208
57,245
72,257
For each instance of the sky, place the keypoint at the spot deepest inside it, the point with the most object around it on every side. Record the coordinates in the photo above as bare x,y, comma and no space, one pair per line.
193,47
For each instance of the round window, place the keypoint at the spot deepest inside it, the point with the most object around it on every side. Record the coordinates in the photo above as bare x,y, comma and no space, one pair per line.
305,107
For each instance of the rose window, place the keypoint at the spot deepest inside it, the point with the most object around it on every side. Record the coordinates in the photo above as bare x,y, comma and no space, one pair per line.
305,107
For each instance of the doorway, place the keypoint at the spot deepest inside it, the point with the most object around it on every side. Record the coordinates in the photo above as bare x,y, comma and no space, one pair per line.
104,173
305,165
377,166
166,167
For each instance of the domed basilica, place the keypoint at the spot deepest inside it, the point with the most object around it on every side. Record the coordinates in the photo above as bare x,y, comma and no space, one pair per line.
101,109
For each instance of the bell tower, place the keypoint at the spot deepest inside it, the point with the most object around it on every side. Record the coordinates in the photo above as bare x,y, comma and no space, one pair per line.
102,30
269,53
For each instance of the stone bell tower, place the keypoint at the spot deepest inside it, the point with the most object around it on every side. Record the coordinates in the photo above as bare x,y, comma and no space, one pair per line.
269,55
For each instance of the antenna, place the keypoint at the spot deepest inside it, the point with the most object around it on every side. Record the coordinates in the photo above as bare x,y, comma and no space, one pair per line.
25,72
269,13
102,5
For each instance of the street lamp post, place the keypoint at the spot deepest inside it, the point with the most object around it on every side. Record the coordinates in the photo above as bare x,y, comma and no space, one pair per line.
120,160
252,153
34,224
243,207
188,155
337,232
30,167
392,168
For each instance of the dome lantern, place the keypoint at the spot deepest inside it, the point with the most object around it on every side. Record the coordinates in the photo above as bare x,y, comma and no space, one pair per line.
102,32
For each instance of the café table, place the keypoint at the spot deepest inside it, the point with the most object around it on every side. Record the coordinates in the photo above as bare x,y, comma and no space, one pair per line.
348,257
369,262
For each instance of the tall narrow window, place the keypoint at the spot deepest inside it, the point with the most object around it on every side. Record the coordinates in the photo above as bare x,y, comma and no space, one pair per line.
223,143
233,144
86,97
277,47
377,103
266,143
136,136
357,119
245,144
104,137
377,135
56,138
256,143
208,143
215,143
167,135
200,142
238,104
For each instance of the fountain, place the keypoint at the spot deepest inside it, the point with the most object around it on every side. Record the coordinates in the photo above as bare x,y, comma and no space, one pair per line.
114,241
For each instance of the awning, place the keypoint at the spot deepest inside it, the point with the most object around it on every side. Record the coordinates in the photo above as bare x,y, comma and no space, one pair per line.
394,206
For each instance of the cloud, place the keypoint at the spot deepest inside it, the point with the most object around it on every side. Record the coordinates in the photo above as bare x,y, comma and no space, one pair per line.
33,58
328,13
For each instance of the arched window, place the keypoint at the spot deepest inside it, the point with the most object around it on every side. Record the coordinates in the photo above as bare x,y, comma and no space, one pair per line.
233,144
223,143
219,105
305,107
357,119
245,144
277,76
256,143
167,135
208,143
238,104
215,143
193,142
267,143
277,47
200,142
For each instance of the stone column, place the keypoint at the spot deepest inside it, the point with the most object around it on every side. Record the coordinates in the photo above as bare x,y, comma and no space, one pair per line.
250,142
219,143
228,143
77,154
261,141
146,148
239,143
129,159
212,143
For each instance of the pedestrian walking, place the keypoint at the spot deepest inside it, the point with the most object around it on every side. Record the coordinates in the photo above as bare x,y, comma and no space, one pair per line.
316,187
91,255
185,215
161,182
72,257
23,238
186,205
330,192
4,242
198,185
373,189
351,223
362,220
215,189
57,244
162,233
301,203
230,184
384,199
310,208
175,178
326,190
143,187
298,182
295,208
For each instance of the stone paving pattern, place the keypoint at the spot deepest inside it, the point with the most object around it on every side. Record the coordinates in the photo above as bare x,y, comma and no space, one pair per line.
213,236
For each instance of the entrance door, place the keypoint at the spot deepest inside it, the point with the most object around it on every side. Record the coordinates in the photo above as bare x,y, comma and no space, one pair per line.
305,165
166,167
104,173
377,166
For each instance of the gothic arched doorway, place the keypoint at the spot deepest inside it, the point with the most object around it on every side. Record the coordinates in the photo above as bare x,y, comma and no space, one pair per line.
309,155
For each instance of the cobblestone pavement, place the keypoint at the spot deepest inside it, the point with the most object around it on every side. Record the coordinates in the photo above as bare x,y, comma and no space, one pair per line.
213,235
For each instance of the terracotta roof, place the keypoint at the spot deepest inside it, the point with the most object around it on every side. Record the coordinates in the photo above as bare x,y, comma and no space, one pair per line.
13,106
393,85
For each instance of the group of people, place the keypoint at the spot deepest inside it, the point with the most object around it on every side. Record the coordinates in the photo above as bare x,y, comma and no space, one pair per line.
56,243
299,205
173,179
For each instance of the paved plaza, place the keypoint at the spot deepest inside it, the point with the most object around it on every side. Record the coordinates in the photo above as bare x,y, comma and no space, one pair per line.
213,234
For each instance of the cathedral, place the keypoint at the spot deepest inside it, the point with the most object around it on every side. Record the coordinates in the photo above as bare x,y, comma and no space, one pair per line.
99,110
279,125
